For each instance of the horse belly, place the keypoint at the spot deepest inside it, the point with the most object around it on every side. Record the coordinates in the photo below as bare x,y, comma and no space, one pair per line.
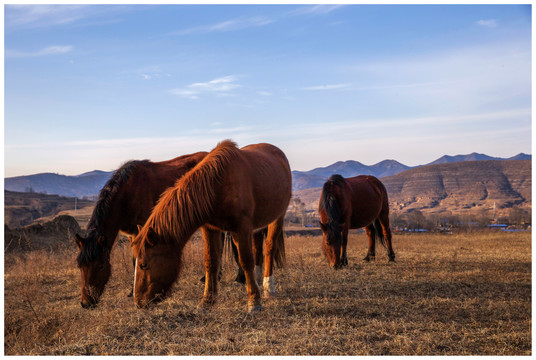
366,207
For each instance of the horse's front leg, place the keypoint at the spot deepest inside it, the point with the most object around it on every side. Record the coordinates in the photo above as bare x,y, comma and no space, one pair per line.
212,256
245,254
344,258
371,234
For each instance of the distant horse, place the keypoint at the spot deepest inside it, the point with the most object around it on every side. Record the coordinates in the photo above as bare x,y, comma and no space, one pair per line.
231,189
124,202
353,203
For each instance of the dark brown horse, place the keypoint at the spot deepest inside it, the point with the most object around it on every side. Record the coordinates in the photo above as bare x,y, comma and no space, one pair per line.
235,190
353,203
124,202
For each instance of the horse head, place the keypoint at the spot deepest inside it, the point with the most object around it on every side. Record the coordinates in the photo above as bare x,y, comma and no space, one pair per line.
157,267
94,263
332,242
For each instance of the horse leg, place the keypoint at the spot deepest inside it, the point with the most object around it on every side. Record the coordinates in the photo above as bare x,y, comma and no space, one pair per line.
371,234
212,255
275,231
344,258
131,294
245,255
384,221
258,243
240,277
221,259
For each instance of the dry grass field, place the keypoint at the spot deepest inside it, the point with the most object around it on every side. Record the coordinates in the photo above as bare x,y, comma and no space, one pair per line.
462,294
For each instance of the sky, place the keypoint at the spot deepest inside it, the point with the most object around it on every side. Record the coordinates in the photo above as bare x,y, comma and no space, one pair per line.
91,86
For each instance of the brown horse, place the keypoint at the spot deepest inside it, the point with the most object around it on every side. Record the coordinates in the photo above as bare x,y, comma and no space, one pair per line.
353,203
125,201
235,190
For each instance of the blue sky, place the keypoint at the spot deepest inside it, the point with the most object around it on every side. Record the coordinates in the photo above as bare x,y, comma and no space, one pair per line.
90,87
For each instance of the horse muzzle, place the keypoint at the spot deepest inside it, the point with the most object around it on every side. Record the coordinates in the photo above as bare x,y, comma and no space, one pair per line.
89,303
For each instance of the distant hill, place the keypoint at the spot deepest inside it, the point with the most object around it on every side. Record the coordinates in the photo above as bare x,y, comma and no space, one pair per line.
22,209
457,187
87,184
316,177
476,157
90,183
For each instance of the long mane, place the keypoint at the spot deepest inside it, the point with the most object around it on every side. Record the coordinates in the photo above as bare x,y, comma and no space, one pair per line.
107,194
328,200
92,251
186,206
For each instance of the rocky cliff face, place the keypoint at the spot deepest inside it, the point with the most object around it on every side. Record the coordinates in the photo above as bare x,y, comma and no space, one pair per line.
462,186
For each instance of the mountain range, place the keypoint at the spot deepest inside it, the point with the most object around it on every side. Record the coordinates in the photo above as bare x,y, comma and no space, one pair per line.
457,187
315,178
89,184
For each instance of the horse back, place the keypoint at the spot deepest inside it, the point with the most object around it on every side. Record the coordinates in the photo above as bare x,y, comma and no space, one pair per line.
368,198
259,183
142,191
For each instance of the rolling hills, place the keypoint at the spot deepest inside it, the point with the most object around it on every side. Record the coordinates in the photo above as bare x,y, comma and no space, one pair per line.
90,183
454,187
316,177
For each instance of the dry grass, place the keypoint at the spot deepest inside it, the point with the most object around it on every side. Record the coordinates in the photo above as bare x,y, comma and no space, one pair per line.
464,294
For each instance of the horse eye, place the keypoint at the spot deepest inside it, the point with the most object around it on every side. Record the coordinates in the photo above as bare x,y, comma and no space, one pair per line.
144,266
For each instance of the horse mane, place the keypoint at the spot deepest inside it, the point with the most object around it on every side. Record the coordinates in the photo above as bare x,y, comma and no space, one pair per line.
184,207
110,189
328,200
92,250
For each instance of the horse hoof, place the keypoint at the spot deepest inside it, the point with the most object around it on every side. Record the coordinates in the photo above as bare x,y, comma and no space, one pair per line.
269,294
206,304
253,309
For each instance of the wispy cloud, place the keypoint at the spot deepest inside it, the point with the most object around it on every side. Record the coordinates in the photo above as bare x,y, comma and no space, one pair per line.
491,23
221,86
39,16
50,50
327,87
226,26
315,10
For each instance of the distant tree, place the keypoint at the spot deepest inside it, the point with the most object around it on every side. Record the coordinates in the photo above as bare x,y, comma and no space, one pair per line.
518,216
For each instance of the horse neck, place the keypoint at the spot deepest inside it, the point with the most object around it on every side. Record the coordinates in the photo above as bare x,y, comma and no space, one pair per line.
110,217
333,202
173,219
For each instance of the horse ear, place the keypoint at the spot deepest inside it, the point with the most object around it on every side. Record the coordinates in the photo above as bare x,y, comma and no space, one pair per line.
151,235
322,226
79,241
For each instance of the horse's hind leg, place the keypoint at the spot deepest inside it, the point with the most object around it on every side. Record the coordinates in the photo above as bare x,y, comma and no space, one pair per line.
371,234
384,221
240,277
212,255
273,239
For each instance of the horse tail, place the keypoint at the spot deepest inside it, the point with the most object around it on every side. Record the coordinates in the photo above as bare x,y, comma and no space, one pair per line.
379,232
227,246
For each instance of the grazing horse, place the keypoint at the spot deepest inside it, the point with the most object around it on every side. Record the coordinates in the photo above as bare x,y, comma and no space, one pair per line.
231,189
124,202
353,203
